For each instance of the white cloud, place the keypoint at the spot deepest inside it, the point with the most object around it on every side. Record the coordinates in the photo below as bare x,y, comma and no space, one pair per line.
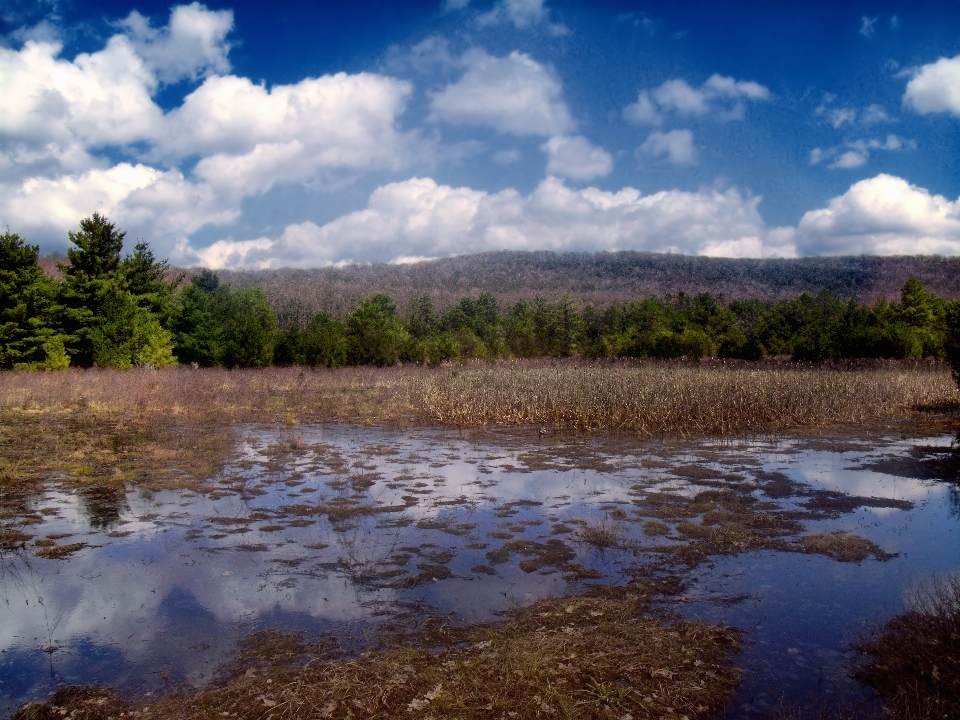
58,203
643,111
867,24
727,87
838,117
676,146
419,218
161,207
678,96
253,138
60,116
883,215
723,95
849,159
856,153
873,114
54,108
521,14
575,157
514,95
192,45
935,88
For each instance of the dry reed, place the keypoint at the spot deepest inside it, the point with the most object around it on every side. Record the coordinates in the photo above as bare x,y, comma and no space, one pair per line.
582,657
657,398
175,425
913,661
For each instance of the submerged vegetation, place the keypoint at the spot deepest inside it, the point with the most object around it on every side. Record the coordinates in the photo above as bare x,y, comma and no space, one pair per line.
597,656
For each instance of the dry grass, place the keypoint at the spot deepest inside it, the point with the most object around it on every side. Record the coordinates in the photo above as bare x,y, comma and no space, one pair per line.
169,428
585,657
175,426
600,535
660,398
842,547
913,661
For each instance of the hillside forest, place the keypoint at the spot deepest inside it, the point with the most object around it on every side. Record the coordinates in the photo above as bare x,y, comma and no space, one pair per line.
107,310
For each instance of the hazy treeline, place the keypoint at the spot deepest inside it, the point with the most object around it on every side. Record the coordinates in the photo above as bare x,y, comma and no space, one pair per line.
108,310
600,279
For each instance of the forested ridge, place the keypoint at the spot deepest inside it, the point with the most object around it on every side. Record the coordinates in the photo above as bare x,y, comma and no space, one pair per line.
102,309
599,279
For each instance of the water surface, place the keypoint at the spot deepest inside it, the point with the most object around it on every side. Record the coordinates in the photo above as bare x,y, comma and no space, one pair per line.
338,529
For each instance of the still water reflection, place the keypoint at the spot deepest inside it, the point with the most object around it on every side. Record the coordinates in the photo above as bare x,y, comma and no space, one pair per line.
337,528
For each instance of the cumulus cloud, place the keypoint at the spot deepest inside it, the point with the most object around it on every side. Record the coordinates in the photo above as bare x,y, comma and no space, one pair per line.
723,95
935,88
576,158
514,95
676,146
60,116
421,218
867,26
883,215
59,109
192,45
163,207
521,14
253,138
856,153
643,111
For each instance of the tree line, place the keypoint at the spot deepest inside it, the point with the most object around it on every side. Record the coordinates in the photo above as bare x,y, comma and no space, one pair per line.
113,311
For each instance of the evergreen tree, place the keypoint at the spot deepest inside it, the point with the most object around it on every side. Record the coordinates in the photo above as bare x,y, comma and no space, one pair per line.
88,280
248,332
128,335
195,331
213,325
375,335
143,276
28,335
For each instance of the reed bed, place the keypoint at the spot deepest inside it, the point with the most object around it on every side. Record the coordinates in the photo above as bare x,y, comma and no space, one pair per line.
590,657
659,399
648,398
175,426
213,395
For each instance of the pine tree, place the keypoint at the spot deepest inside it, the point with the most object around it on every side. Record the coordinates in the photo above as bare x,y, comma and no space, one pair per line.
28,332
88,281
144,277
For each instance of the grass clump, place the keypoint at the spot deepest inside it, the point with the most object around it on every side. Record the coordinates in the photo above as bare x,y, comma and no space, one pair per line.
599,535
654,528
587,657
842,547
913,661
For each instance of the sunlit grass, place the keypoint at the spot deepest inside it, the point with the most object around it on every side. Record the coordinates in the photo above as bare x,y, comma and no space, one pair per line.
599,656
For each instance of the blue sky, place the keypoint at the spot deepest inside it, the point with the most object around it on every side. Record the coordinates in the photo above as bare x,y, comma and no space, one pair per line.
251,134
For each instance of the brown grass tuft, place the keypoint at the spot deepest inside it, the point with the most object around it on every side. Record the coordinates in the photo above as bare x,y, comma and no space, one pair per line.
913,661
842,547
584,657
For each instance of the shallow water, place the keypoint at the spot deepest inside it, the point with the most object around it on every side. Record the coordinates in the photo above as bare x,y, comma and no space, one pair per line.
342,528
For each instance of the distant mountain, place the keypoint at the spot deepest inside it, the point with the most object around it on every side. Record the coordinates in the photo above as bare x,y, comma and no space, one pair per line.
599,279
